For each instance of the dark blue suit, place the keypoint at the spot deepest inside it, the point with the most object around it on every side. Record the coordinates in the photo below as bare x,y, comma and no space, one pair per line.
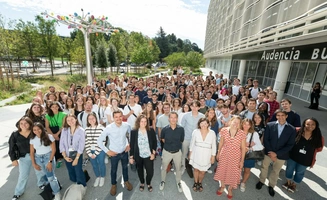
282,145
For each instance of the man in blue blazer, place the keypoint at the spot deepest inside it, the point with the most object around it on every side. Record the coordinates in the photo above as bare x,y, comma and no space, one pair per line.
278,140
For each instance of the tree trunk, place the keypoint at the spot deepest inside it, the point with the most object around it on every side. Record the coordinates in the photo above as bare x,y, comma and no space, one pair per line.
1,76
12,78
51,65
8,85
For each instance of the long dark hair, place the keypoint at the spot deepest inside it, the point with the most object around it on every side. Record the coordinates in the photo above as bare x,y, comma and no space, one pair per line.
214,119
262,123
50,112
316,137
44,138
30,112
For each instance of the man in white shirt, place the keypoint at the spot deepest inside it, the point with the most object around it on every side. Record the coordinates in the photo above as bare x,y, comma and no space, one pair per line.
132,110
118,134
236,86
255,89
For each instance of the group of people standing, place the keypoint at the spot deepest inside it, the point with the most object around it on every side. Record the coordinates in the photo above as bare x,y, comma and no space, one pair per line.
185,119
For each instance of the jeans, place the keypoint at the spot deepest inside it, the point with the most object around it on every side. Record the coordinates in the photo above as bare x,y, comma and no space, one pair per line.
24,165
42,161
98,165
114,165
76,173
298,168
146,163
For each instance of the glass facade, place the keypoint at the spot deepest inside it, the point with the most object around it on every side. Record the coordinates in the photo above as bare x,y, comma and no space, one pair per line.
264,72
302,76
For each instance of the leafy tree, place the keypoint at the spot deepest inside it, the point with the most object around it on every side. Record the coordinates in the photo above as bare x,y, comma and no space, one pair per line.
101,56
187,46
29,42
7,40
196,48
180,45
112,56
194,60
176,59
48,36
78,56
162,42
118,39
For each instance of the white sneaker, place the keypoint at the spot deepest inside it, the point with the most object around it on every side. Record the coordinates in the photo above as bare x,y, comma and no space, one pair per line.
179,187
96,182
106,160
209,171
57,196
101,182
162,185
242,187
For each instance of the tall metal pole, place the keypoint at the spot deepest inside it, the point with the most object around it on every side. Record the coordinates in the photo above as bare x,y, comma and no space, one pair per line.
88,57
87,24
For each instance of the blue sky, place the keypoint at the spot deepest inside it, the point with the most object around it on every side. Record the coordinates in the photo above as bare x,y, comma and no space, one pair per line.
185,18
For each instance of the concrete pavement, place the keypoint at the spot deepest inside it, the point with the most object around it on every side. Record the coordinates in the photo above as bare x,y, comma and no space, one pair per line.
313,186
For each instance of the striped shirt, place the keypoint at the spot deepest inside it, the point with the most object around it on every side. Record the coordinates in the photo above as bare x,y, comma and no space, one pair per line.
92,135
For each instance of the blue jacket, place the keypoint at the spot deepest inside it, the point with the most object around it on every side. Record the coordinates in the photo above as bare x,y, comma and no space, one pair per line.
282,145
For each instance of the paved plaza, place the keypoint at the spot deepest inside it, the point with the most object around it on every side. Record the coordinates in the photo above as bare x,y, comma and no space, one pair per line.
313,187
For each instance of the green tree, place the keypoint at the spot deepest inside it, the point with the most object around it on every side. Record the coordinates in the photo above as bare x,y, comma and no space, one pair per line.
187,46
101,56
29,42
78,56
48,36
112,56
176,59
194,60
118,39
162,43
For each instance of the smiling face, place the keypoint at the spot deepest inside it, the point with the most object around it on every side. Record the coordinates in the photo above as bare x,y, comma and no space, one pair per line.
24,125
143,123
71,121
310,125
92,120
37,131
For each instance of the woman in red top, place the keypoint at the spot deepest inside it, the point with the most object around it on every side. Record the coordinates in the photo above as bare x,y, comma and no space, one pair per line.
230,155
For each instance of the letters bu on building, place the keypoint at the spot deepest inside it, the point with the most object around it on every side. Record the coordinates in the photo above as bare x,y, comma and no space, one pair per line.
296,53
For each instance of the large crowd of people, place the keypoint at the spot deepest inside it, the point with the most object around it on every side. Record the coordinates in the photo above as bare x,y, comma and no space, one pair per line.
186,120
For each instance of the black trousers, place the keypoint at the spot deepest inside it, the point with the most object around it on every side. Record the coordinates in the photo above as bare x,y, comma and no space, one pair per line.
314,98
58,155
146,163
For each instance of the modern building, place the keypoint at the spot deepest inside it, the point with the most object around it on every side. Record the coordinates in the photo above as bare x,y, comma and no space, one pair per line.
282,43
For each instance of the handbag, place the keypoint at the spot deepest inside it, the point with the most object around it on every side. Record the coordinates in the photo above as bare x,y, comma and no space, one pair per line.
87,176
72,154
188,168
254,155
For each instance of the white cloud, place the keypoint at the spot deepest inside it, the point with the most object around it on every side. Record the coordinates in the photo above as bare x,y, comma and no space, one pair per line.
142,15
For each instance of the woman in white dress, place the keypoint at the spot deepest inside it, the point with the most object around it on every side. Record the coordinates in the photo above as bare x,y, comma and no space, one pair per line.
202,151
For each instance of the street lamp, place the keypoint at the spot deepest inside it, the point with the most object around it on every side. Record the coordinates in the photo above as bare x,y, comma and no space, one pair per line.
86,23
